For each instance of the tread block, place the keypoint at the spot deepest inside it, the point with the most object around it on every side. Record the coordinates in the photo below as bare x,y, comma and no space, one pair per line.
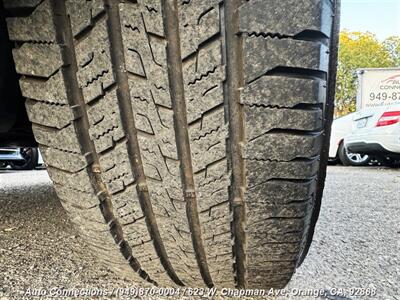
151,263
264,54
204,78
217,223
289,17
38,27
199,20
82,13
37,59
274,91
50,90
48,114
94,63
71,162
63,139
152,16
150,51
259,171
75,197
127,205
84,223
276,281
162,203
205,63
105,123
116,169
126,216
276,252
281,230
158,167
208,138
212,186
90,219
205,95
283,146
282,268
279,192
260,120
101,238
138,235
151,117
79,181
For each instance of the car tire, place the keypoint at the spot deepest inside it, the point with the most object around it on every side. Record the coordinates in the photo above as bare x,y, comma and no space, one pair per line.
347,161
187,140
333,161
31,156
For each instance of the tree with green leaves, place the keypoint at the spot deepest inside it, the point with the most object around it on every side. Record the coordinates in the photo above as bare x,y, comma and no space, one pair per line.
392,45
359,50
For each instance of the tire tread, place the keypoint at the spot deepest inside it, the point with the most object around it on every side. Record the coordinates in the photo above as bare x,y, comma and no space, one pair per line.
170,133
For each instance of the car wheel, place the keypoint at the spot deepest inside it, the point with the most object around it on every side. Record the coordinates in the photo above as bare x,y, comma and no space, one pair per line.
352,159
30,155
187,139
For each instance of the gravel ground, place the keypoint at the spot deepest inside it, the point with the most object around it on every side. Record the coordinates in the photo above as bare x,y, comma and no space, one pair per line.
356,245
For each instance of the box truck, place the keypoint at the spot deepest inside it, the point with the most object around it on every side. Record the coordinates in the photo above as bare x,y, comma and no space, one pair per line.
378,87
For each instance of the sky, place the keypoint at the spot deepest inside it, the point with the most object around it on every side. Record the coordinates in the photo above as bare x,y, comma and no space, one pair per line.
381,17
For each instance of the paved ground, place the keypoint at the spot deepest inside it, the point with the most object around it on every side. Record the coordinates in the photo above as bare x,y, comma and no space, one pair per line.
356,246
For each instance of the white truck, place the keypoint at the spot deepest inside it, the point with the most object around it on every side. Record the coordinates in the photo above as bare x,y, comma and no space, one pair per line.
378,88
376,124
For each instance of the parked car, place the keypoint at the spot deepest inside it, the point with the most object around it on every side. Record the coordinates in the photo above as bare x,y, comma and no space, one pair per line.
376,132
341,127
20,158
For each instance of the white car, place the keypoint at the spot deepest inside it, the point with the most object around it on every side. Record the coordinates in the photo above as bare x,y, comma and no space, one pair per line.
341,127
376,132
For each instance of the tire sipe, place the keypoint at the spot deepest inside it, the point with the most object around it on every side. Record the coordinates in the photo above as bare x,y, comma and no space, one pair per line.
187,139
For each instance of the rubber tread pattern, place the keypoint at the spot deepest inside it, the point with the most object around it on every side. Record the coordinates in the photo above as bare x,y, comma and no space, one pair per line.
283,96
281,100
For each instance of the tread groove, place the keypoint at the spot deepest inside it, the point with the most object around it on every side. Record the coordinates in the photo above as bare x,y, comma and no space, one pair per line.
305,35
175,74
128,123
293,73
233,53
